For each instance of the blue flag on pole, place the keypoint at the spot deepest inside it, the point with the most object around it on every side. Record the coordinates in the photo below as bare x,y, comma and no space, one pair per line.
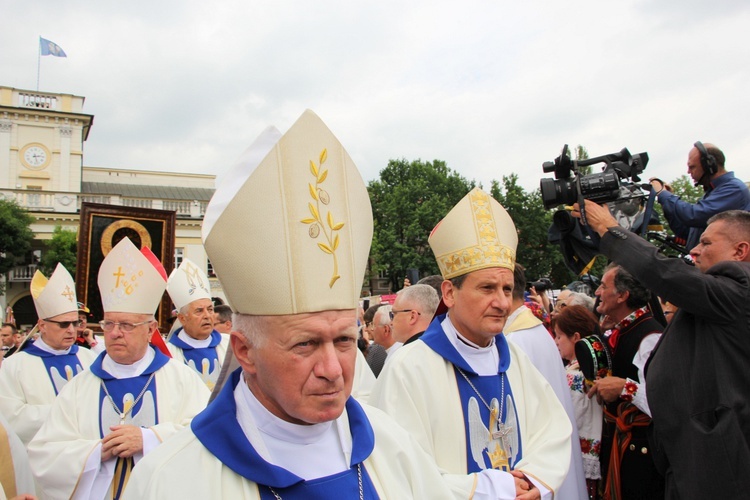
48,48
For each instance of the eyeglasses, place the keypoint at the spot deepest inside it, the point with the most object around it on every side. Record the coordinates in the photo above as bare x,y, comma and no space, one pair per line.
393,313
64,324
108,326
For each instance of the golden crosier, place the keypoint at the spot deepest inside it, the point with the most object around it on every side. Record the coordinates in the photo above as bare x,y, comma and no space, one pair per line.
330,228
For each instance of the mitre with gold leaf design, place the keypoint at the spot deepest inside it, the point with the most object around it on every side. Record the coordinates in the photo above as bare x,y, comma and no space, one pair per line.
289,229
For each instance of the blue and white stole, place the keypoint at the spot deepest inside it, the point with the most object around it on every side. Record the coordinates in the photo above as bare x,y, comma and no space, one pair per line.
218,430
204,360
61,368
125,391
491,423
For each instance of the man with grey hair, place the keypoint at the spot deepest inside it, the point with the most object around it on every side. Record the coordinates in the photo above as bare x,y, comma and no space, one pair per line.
285,425
623,301
412,312
382,331
196,343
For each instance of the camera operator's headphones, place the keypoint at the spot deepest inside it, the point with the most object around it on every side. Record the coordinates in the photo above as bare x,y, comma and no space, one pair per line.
708,162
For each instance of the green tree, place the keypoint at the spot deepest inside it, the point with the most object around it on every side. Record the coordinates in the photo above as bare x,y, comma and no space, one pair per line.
15,235
61,248
684,188
408,201
534,252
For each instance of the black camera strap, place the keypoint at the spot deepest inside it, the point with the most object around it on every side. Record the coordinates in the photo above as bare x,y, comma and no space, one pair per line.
647,213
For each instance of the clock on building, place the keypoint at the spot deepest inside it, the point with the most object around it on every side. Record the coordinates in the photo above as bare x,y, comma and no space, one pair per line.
35,156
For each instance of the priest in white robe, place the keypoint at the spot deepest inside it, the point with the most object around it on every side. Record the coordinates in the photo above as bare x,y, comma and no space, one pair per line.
132,398
527,331
285,425
195,342
31,379
471,399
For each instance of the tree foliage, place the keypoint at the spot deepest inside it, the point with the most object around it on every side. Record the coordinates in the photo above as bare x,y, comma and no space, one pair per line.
61,248
408,201
534,252
16,235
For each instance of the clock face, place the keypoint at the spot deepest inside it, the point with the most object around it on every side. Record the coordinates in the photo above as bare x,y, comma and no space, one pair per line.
35,157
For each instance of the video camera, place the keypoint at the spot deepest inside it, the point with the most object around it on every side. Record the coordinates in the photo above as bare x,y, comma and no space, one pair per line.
607,186
540,285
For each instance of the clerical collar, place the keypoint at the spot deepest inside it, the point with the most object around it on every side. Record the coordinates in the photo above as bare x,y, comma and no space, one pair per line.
273,426
128,371
195,343
281,440
482,360
41,344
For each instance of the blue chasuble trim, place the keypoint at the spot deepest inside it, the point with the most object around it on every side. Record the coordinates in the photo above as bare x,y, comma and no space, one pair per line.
218,430
58,362
119,388
200,354
488,386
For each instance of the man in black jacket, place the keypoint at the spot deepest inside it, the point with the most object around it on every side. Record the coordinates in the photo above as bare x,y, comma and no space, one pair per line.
698,381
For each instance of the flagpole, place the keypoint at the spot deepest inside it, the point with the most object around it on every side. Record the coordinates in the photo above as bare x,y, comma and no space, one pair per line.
38,62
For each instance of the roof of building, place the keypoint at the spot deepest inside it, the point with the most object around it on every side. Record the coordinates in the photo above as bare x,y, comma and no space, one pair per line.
140,191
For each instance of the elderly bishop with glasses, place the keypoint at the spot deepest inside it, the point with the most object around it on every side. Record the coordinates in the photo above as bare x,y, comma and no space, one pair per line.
31,379
131,399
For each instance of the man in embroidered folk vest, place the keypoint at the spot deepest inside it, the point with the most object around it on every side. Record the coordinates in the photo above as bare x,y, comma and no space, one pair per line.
132,398
289,240
628,469
196,343
473,400
31,379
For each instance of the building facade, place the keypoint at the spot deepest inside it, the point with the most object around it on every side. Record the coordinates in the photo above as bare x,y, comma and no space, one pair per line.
42,138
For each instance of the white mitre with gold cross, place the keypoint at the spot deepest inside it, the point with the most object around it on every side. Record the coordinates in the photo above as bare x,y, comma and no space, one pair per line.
53,296
188,283
476,234
131,280
289,231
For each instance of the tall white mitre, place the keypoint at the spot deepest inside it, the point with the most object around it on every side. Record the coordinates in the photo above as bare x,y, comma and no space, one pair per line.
188,283
289,230
131,280
476,234
53,296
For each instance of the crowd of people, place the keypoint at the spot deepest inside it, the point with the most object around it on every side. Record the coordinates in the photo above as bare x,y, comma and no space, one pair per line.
468,385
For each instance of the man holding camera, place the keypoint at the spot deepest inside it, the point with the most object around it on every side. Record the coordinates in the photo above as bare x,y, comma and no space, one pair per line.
723,192
698,383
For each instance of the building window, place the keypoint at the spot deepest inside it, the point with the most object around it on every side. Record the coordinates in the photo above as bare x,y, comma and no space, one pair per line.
179,253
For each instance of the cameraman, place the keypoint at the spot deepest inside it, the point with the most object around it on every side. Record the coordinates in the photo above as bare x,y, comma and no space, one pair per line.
698,382
723,192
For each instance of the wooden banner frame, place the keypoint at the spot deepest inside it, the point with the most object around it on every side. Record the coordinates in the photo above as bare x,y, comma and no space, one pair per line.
102,227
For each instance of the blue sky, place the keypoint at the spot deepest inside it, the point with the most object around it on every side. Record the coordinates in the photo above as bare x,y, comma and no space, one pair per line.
490,87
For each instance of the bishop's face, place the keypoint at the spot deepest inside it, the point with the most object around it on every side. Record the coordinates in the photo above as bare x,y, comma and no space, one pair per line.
480,308
56,336
123,346
302,368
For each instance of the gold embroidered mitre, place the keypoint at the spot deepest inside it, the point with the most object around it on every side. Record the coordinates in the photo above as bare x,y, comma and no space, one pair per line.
476,234
53,296
188,283
131,280
289,230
